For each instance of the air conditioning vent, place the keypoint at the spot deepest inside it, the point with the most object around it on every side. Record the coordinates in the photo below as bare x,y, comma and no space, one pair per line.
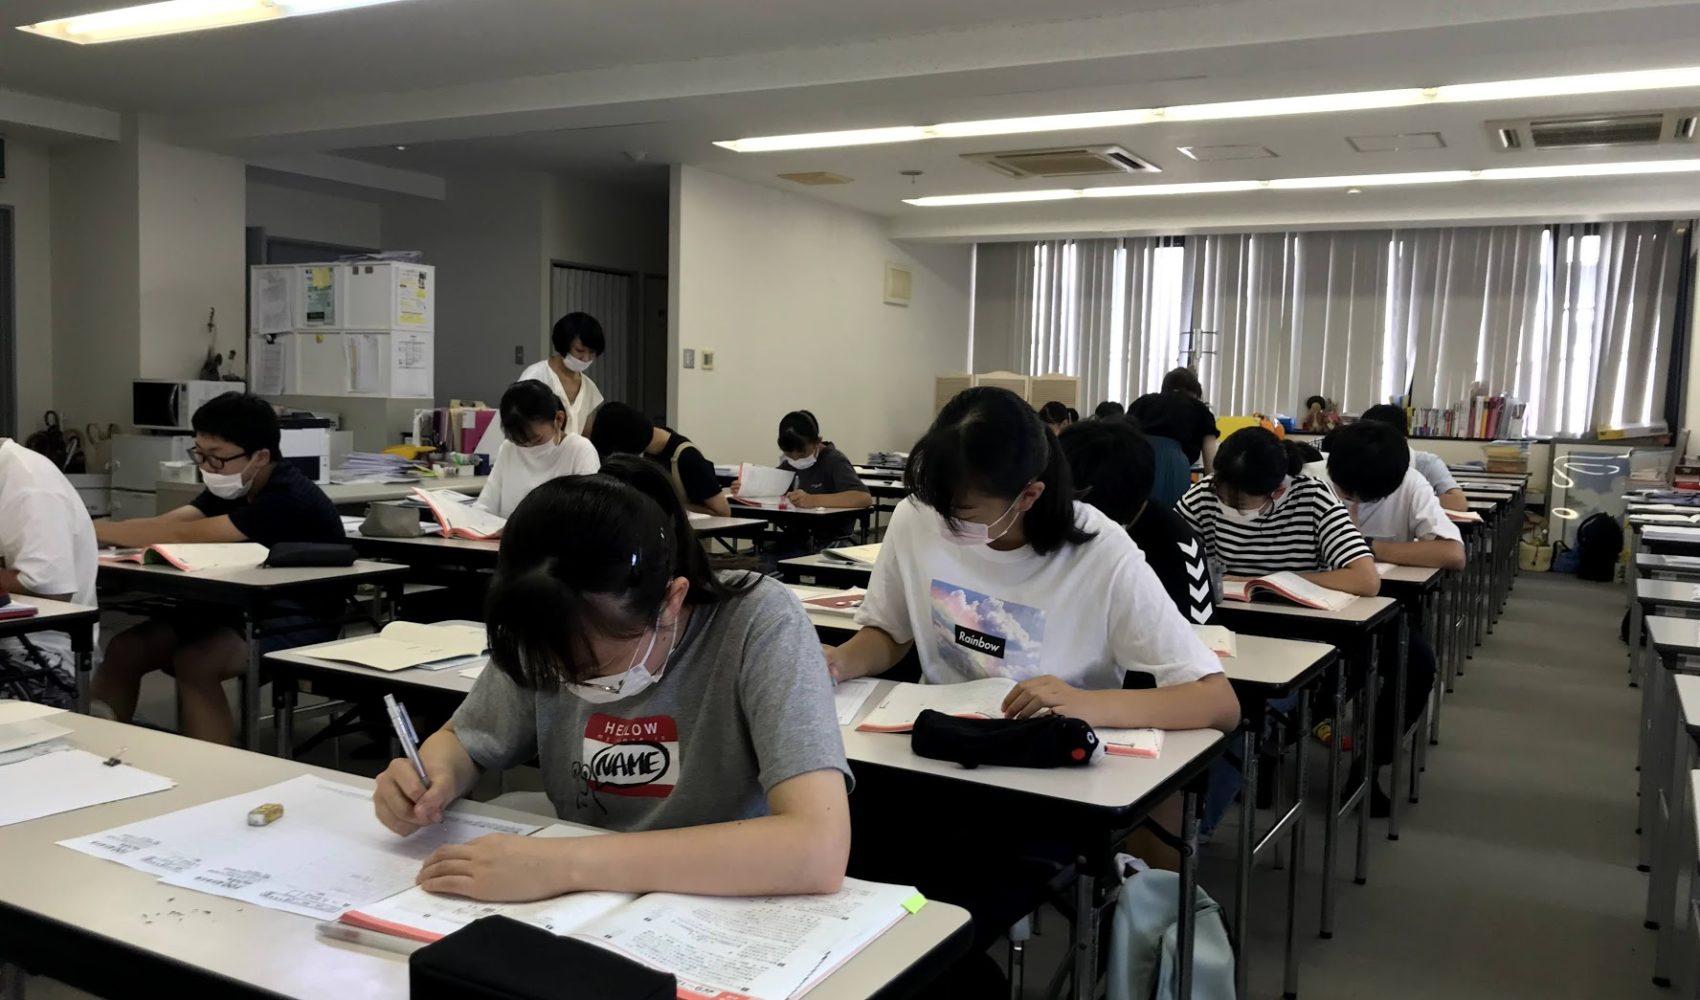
1628,128
1066,161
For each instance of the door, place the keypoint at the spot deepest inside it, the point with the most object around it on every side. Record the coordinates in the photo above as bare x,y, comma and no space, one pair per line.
609,297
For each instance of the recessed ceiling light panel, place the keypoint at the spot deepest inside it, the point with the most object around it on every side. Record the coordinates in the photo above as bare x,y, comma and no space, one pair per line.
171,17
1216,154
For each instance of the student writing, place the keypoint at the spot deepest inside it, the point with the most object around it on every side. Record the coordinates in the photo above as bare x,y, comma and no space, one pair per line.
618,429
47,549
825,476
536,447
251,495
690,713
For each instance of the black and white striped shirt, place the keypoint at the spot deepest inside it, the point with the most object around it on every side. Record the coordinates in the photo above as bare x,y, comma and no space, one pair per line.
1309,530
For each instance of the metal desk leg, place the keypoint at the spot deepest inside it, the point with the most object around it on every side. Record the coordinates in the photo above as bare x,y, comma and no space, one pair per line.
283,715
82,648
1648,780
250,721
1331,826
1401,760
1248,839
1296,858
1662,894
1086,932
1186,914
1371,689
1653,773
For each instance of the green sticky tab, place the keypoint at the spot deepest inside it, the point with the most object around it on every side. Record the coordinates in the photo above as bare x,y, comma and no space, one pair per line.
914,903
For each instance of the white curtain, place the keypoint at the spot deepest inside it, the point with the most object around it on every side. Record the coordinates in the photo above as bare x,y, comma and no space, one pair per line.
608,297
1240,304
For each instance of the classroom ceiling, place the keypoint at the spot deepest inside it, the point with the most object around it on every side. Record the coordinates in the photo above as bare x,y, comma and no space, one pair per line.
616,91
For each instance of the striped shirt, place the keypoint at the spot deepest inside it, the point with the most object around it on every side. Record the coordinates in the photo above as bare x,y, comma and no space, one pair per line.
1309,530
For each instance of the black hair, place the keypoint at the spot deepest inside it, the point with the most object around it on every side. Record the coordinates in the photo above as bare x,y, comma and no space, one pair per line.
990,440
1316,401
581,327
692,561
1109,409
1113,465
1368,459
1183,380
526,403
1055,413
1387,413
1300,454
608,575
1251,462
243,419
798,430
618,429
1073,415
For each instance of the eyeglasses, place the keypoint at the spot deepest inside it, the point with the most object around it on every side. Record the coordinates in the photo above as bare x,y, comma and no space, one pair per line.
213,463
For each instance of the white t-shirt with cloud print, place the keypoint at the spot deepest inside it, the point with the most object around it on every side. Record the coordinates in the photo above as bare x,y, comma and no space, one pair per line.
1086,613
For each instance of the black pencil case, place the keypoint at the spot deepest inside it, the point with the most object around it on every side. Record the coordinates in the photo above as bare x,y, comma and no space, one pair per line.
285,555
1046,741
499,958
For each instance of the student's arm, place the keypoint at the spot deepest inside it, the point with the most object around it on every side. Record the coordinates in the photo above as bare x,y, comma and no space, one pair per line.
1208,703
702,486
1208,457
184,524
1441,553
716,505
1454,499
884,633
1358,577
870,651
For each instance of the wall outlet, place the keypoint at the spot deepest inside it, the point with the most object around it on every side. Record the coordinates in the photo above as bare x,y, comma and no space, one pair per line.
519,354
708,361
690,358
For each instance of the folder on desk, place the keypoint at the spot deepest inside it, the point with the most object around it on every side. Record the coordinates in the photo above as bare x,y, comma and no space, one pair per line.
407,644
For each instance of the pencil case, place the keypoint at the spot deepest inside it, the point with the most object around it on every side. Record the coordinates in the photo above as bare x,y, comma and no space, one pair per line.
500,958
285,555
1046,741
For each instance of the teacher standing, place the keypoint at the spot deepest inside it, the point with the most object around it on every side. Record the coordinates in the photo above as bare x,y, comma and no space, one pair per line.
576,341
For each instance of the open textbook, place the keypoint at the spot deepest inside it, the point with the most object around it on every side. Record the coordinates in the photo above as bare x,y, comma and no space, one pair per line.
855,555
838,602
769,948
1291,586
458,517
1463,517
196,557
409,644
762,486
983,699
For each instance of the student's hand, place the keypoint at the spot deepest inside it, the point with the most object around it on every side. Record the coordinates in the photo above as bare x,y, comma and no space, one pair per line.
834,662
497,868
403,804
737,484
797,498
1032,696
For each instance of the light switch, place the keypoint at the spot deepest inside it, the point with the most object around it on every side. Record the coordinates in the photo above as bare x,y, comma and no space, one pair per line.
519,354
708,361
690,358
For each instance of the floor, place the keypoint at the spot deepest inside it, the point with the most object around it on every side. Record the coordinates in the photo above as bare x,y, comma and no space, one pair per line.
1515,876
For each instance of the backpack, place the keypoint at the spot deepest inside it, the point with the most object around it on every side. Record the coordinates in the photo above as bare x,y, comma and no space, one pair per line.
1599,543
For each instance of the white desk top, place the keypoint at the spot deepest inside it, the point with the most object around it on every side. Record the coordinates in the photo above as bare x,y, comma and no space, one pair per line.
1275,662
136,575
709,526
47,613
275,951
1483,504
1666,593
1411,574
1674,635
1653,562
1360,611
1112,783
1670,533
819,561
1688,697
481,545
775,513
448,679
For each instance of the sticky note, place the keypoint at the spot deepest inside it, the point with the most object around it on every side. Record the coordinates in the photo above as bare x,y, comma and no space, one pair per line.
914,903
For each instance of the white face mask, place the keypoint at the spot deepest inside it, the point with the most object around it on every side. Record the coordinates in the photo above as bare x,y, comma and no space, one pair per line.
636,679
575,364
969,533
803,463
225,485
1242,516
540,457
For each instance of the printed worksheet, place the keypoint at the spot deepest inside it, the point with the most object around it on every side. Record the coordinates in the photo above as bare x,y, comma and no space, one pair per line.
849,696
52,783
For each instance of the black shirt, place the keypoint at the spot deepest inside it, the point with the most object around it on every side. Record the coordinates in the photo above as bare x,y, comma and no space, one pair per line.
831,473
1176,554
1176,416
694,476
289,508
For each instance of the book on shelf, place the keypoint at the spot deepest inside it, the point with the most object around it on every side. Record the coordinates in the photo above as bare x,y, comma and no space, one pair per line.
1289,586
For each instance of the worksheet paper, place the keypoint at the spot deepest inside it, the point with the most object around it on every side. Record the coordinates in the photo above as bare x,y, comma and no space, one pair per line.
53,783
412,371
363,351
849,697
28,733
327,854
18,711
271,302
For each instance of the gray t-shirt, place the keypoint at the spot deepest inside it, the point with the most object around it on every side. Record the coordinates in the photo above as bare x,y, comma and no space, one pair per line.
831,473
744,704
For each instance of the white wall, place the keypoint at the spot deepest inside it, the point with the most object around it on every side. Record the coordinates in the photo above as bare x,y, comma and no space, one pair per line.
314,216
788,293
27,192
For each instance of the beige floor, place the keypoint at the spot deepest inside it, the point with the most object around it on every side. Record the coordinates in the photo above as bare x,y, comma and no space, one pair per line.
1515,877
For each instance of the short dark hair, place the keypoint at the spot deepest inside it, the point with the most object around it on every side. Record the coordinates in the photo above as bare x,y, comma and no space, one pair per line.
990,441
1113,466
1109,409
1300,454
1055,413
525,403
618,429
798,430
1183,380
1387,413
582,556
1251,462
1368,459
243,419
581,327
648,478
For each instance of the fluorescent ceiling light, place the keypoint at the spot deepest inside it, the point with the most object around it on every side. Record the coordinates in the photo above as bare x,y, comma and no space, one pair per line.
175,16
1344,182
1368,100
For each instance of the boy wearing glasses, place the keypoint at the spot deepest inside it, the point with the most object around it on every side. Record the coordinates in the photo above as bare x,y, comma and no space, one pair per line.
251,495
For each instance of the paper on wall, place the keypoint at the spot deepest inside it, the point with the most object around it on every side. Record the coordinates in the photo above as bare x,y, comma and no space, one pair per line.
362,351
265,366
320,295
412,360
271,303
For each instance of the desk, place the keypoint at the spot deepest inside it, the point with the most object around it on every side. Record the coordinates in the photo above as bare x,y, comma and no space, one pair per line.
432,551
1656,539
1103,802
831,627
1353,631
171,495
1676,642
821,570
1649,566
1418,588
75,620
81,919
1672,601
249,591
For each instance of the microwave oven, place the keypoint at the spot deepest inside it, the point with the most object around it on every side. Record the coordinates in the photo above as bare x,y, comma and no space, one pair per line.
168,404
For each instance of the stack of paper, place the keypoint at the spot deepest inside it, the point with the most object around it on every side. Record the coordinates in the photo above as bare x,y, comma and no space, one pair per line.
51,783
409,644
374,467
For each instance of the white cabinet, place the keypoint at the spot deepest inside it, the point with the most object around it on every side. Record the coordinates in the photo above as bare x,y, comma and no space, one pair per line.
391,296
136,458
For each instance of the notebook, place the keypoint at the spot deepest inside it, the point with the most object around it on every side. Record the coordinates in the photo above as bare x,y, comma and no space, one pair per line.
196,557
1218,639
1291,586
457,517
983,699
408,644
15,609
855,555
762,486
1464,517
843,603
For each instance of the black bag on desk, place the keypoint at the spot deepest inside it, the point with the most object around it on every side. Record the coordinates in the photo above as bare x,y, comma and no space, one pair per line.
287,555
499,958
1046,741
